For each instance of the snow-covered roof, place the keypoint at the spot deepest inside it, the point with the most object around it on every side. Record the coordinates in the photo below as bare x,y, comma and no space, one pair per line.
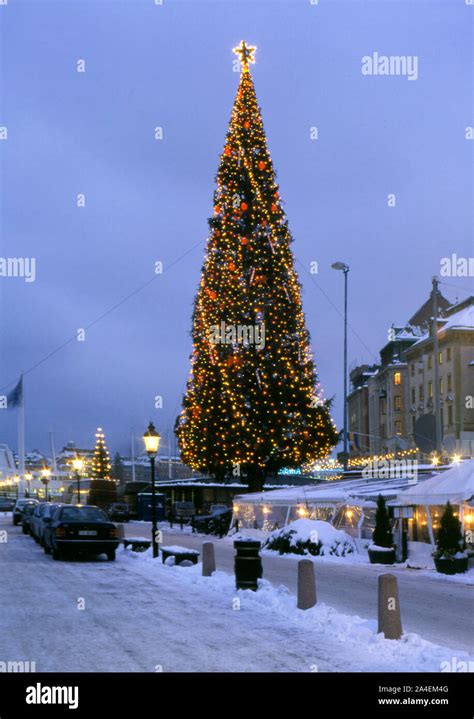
352,492
455,485
462,320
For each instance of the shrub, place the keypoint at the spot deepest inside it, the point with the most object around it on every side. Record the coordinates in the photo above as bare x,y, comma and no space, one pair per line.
450,540
305,536
382,535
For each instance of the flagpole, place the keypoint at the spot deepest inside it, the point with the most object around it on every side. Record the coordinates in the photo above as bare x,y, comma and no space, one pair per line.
21,438
132,448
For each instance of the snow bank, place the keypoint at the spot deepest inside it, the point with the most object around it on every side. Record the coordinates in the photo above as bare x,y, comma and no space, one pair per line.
324,639
310,536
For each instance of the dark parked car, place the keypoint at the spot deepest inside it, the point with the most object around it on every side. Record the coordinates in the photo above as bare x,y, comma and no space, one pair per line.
76,530
36,520
119,512
6,505
26,517
20,504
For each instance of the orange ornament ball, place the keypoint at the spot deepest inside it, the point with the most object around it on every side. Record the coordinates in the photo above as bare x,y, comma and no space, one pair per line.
274,208
246,124
244,241
262,165
244,206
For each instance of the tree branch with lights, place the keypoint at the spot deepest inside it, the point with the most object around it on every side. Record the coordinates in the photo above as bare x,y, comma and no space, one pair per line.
255,406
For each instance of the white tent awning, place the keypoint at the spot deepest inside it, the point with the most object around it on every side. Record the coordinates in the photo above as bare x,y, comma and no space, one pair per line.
455,485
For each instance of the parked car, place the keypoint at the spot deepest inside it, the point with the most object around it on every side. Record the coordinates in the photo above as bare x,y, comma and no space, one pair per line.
41,511
27,514
20,504
119,512
184,510
73,530
6,505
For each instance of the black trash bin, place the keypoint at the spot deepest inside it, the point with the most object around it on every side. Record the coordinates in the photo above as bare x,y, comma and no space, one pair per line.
248,564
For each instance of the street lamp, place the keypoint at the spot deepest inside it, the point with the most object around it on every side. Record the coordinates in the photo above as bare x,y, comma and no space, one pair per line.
45,477
28,477
152,442
78,465
342,267
16,479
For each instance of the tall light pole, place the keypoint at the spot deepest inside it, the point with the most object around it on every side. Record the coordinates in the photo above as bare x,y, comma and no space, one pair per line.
342,267
78,465
152,442
16,479
436,392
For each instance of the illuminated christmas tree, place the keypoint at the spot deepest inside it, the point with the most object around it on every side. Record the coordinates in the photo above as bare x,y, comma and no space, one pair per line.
253,404
101,461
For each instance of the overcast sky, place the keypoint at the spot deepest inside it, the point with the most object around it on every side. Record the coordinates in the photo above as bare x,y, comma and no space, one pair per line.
148,200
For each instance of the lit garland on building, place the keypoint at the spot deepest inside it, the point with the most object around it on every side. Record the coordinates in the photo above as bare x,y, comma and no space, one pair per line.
101,460
259,408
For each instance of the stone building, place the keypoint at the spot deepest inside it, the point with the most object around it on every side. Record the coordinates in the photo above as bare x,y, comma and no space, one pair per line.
380,406
456,377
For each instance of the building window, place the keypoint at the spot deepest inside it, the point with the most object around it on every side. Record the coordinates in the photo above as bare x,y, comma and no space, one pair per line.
450,383
450,414
421,393
440,385
430,389
382,431
397,403
412,370
397,378
448,354
413,395
398,427
440,358
430,361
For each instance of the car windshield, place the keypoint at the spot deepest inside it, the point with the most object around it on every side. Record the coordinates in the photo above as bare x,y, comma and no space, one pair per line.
82,514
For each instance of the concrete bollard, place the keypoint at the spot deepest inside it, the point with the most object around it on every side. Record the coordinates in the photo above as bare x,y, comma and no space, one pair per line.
390,622
208,559
306,584
121,532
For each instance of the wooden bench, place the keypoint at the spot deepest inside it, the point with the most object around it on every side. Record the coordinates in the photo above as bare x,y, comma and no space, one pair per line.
137,544
180,554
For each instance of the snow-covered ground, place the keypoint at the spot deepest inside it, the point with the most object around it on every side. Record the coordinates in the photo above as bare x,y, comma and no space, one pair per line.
347,643
139,615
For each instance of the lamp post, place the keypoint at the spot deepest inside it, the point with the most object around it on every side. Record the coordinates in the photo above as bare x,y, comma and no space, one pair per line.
45,477
28,477
152,442
78,465
16,479
342,267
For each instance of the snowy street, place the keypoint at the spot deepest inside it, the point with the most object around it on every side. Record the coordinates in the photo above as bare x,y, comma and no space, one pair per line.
138,615
352,588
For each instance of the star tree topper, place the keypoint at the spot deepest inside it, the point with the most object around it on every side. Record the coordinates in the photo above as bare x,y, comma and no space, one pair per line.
245,53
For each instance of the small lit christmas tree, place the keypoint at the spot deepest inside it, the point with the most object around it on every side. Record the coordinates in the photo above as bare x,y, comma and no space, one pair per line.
101,461
253,404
